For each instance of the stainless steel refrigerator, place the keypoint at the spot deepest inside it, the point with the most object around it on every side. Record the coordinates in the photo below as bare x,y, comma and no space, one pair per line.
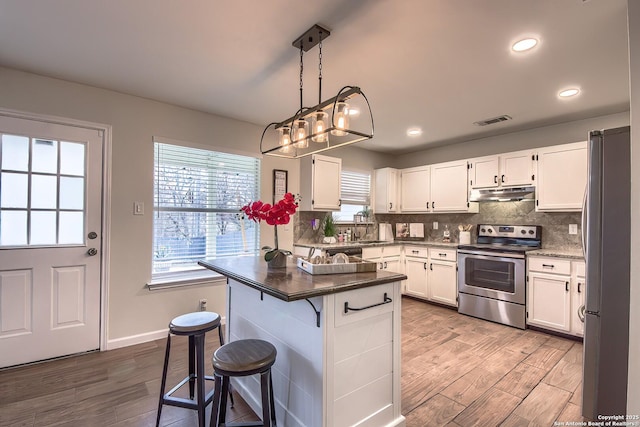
606,233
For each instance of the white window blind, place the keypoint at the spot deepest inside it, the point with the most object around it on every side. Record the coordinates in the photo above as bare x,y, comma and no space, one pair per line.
355,188
355,194
198,195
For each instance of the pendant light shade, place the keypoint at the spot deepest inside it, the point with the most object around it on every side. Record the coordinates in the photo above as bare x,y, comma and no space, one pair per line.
324,126
320,123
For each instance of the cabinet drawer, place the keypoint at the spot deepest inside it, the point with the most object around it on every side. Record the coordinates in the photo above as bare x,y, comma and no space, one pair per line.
372,253
442,254
416,251
580,269
391,250
361,298
550,265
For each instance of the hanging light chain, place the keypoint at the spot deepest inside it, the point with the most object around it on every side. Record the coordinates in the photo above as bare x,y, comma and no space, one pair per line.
320,70
301,70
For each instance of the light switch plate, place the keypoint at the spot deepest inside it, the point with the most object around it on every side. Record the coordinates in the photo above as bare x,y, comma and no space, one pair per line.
138,208
435,225
573,228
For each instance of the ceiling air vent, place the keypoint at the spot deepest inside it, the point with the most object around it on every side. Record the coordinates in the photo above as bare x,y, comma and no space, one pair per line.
492,120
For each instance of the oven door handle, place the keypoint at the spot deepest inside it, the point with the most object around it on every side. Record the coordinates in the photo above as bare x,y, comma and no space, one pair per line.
488,255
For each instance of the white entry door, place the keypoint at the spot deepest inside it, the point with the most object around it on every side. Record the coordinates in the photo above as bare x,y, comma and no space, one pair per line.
50,239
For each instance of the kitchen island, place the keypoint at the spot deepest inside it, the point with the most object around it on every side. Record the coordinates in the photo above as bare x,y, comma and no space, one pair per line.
337,337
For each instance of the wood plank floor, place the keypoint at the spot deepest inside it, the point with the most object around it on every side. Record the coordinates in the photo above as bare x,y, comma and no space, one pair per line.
456,371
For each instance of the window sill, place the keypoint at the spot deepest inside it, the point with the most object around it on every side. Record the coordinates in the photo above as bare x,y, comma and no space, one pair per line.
185,278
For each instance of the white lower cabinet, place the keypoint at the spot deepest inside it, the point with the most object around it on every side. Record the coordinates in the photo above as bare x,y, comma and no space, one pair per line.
387,257
555,294
442,282
431,274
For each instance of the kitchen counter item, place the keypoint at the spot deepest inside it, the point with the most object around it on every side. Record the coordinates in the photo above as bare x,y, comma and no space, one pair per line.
355,265
385,232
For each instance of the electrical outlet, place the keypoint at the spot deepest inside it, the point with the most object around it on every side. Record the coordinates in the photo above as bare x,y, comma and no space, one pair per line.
203,305
435,225
573,228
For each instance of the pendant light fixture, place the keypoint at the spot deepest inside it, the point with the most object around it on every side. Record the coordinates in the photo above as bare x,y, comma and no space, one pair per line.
329,124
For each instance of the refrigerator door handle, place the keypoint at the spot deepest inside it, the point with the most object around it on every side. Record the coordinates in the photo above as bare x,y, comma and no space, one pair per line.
583,225
581,311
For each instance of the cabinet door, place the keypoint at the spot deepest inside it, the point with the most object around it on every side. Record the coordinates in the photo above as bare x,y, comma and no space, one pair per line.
562,177
442,280
392,264
484,172
549,301
449,187
416,271
385,195
415,189
516,168
326,182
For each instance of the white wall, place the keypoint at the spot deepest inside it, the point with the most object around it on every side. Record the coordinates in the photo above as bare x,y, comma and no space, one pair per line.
562,133
633,399
133,310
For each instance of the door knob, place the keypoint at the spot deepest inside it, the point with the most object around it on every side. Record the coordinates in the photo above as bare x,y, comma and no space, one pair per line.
92,252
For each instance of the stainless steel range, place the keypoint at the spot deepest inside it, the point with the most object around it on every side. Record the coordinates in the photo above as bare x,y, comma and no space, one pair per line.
492,273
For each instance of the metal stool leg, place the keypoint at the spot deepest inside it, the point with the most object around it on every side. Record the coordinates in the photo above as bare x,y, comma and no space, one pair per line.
199,348
163,383
265,379
221,344
273,401
215,407
192,370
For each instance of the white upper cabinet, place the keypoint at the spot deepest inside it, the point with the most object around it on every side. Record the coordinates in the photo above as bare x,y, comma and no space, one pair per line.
562,177
385,191
415,195
449,187
436,188
505,170
320,183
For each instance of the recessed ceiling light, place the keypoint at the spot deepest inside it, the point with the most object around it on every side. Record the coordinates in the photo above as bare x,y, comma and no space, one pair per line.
567,93
524,44
414,132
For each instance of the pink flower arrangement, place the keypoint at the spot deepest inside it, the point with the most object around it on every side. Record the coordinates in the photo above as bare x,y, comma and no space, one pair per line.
278,214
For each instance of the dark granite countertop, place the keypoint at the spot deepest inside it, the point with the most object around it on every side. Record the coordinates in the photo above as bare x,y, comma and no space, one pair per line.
370,244
292,283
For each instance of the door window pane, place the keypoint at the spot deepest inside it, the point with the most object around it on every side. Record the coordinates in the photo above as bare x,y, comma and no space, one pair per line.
43,192
71,193
15,153
44,156
43,228
71,158
71,228
13,228
13,190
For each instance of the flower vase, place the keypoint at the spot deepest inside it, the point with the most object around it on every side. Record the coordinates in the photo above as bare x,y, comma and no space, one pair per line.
278,261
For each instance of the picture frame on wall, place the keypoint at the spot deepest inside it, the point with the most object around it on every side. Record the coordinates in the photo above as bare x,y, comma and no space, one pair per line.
280,184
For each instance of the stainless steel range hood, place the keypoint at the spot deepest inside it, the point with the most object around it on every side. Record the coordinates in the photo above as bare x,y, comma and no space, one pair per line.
502,194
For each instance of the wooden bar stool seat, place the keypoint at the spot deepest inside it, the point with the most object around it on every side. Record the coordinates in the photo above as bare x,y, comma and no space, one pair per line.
242,358
195,326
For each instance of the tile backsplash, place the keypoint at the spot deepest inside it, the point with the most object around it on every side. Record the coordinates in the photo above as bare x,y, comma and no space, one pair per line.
555,225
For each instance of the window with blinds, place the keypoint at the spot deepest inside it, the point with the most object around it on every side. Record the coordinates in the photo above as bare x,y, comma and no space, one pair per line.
355,194
197,198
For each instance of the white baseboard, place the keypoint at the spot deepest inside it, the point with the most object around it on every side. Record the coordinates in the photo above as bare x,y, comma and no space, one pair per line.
142,338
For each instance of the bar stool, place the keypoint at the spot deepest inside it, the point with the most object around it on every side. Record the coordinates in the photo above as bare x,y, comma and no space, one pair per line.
242,358
194,325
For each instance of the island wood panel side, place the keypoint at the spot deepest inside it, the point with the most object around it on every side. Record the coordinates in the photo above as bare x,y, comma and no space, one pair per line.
298,371
363,358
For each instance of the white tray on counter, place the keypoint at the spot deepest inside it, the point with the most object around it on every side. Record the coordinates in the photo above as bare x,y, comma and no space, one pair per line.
355,265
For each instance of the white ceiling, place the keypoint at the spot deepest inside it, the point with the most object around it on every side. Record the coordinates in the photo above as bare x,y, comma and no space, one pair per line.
437,64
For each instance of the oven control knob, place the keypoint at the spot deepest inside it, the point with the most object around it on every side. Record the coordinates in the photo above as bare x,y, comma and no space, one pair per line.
523,232
490,230
530,231
483,230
